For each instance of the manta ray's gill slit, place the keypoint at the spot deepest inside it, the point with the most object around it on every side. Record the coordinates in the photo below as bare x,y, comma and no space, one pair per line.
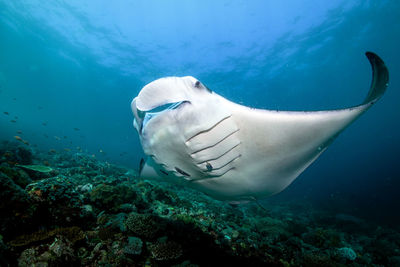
164,172
220,155
218,142
182,172
207,130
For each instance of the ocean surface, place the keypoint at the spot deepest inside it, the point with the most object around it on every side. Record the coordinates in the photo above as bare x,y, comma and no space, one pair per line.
69,70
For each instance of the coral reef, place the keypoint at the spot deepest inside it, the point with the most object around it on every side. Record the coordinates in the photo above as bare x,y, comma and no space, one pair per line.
73,234
69,209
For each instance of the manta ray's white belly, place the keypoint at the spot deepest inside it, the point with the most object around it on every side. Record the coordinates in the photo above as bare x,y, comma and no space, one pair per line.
193,142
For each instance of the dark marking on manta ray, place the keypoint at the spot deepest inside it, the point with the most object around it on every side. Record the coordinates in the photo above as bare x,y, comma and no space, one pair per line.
182,172
164,172
141,165
209,167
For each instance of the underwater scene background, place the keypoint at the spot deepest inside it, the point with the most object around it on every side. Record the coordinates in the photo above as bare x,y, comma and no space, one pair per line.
69,155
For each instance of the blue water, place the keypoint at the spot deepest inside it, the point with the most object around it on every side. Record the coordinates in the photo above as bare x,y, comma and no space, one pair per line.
69,69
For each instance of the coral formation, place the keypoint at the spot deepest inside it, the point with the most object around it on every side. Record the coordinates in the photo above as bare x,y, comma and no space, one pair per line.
163,251
144,225
91,213
73,234
347,254
134,246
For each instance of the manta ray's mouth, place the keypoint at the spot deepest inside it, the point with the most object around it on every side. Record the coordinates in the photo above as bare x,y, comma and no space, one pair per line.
143,117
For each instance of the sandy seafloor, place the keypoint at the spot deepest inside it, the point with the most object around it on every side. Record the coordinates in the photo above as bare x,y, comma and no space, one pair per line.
66,208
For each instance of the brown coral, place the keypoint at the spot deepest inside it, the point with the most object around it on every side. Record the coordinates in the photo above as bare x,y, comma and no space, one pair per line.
164,251
73,234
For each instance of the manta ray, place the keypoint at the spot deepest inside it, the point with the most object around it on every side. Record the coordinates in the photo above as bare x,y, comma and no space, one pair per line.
231,152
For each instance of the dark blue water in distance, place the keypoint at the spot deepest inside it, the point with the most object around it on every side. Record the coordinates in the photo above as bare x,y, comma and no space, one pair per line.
71,68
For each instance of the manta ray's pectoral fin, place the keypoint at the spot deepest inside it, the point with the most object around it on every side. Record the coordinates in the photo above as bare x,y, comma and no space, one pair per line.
279,145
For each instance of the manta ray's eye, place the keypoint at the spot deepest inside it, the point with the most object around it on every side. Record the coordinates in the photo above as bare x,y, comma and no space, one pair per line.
199,85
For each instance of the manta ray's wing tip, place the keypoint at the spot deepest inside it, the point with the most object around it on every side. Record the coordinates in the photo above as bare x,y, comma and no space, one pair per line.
380,78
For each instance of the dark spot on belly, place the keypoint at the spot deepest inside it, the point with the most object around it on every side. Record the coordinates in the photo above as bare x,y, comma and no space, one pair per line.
182,172
209,167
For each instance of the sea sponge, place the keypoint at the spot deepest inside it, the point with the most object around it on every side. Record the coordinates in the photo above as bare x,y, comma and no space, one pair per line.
144,225
163,251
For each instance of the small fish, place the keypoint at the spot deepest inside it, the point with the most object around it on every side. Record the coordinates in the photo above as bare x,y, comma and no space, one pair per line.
67,149
25,142
65,137
101,151
19,132
5,112
76,129
45,135
44,123
52,151
17,137
13,121
40,107
57,138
